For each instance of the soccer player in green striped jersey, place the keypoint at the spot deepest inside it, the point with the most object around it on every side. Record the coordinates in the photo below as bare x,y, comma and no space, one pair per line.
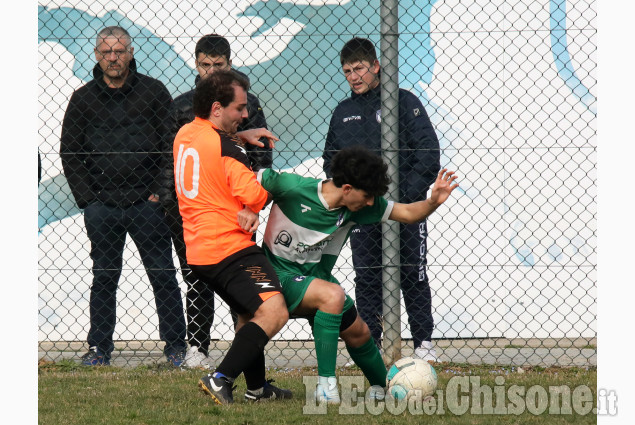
309,222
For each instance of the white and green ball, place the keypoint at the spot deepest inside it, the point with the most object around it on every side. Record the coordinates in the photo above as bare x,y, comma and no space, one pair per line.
408,376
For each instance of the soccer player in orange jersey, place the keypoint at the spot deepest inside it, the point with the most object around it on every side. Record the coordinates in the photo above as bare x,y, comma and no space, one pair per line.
214,184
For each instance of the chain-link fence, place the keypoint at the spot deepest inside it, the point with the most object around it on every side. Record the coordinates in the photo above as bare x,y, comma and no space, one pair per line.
509,88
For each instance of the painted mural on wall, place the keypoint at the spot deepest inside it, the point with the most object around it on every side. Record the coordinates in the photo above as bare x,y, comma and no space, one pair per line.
493,75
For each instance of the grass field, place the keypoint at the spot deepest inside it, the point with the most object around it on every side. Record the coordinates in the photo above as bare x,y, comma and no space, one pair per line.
69,394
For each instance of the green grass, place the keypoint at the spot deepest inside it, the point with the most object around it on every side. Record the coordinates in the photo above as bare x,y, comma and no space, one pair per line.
70,394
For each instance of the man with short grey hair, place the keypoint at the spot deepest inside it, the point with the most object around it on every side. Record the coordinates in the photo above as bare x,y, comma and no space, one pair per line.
114,51
111,155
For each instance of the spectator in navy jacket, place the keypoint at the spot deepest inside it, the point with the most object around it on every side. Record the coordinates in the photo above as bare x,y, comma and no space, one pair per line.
357,121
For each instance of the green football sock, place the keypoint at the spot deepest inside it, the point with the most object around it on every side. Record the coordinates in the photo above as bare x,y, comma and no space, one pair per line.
326,330
369,360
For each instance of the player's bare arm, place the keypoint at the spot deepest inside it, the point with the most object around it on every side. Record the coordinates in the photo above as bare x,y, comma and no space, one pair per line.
418,211
253,136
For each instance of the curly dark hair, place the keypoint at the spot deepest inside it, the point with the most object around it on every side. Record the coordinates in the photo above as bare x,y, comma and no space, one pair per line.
362,169
217,87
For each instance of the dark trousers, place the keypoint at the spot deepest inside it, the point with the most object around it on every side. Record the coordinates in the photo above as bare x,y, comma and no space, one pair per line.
199,299
367,252
107,227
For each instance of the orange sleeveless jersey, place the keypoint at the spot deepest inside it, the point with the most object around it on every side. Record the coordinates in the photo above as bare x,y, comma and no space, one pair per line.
214,182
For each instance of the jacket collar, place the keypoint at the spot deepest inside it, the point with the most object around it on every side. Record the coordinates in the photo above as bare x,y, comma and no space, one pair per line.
132,76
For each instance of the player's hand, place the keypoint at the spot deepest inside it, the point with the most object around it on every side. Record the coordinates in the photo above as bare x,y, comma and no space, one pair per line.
253,136
443,186
248,220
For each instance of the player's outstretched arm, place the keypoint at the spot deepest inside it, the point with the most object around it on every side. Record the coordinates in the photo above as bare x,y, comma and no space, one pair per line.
417,211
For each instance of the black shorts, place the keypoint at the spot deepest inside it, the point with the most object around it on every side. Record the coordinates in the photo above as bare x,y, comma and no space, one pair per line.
244,280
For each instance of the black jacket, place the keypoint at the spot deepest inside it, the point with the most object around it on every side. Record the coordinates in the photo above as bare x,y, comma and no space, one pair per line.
357,121
181,113
111,139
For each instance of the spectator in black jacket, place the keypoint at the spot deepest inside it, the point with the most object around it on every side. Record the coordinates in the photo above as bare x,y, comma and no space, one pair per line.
212,53
111,155
357,121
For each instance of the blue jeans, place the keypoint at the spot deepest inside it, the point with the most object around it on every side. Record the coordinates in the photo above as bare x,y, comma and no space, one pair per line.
367,254
107,227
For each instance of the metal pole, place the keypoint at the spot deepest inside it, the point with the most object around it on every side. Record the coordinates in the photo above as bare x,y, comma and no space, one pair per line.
389,46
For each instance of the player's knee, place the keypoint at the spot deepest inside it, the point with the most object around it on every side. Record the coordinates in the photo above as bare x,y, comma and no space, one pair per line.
272,315
334,297
279,321
276,311
283,317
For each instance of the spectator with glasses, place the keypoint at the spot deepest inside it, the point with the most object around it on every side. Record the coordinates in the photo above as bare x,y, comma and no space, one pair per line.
357,121
111,154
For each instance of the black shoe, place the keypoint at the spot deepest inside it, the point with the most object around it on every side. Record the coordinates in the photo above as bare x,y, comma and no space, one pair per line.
176,358
269,392
95,357
220,389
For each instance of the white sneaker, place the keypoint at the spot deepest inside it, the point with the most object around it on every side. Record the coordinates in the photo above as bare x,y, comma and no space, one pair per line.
196,359
327,391
426,352
376,392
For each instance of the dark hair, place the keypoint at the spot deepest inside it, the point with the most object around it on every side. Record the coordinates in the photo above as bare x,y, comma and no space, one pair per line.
217,87
213,45
357,50
362,169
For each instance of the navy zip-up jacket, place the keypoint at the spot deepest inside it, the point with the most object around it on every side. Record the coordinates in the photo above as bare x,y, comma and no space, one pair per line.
357,121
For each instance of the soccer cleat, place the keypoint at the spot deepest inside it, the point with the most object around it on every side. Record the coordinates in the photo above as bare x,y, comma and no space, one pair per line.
176,358
426,352
219,388
268,392
94,357
196,359
376,392
326,391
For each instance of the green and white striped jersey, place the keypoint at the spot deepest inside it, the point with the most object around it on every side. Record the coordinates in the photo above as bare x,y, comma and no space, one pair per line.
303,235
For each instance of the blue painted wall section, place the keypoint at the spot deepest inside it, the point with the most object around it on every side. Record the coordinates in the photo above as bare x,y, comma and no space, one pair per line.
301,86
561,56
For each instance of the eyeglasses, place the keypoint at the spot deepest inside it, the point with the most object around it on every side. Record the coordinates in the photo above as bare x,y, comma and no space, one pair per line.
107,53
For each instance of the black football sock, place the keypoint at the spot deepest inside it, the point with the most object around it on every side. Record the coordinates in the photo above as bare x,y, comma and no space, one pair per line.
255,373
248,345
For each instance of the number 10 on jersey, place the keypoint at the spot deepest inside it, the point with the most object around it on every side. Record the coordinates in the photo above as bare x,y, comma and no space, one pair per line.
179,171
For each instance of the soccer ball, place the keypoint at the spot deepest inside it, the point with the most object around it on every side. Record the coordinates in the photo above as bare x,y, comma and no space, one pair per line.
408,376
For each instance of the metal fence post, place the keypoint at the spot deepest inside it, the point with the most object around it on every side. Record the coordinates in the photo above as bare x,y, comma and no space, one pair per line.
390,151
